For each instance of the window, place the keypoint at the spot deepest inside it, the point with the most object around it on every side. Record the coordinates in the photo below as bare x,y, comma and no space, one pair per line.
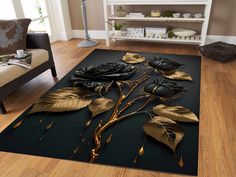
37,11
7,10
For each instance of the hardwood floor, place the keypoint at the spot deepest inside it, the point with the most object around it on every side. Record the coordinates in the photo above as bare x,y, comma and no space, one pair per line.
217,141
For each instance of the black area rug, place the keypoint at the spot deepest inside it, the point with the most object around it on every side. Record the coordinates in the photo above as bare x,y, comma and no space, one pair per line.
128,135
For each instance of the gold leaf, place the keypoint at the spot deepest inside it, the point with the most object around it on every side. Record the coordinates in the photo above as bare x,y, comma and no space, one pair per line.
178,75
62,100
100,105
165,131
17,124
176,113
181,162
141,151
133,58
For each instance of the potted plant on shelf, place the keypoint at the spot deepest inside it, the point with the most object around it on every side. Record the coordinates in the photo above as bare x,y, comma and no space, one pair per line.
118,27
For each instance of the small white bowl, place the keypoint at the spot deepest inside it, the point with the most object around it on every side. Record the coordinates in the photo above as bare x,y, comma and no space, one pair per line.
176,15
198,15
187,15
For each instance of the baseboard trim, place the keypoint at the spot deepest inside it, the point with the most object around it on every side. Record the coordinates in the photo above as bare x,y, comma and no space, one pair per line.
94,34
215,38
65,36
100,34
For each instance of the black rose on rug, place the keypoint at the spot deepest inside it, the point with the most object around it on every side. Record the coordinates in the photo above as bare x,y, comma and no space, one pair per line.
100,78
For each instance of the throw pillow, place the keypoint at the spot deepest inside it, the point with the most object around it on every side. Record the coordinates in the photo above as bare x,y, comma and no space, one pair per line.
13,35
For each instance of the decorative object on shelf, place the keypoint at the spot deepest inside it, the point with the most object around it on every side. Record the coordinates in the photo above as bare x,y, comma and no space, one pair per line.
168,13
118,28
187,15
183,32
135,32
219,51
198,15
176,15
155,13
155,32
133,58
135,15
87,42
170,34
120,12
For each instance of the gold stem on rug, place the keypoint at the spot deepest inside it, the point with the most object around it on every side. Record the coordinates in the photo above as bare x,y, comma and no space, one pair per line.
48,127
42,120
115,117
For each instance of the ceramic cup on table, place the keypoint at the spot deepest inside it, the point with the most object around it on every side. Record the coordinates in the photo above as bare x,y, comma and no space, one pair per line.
20,52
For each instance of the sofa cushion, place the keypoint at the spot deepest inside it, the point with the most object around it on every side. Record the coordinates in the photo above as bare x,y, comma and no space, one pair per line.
13,35
10,72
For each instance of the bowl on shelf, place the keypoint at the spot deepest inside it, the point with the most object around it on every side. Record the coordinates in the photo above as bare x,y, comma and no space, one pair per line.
176,15
182,32
198,15
187,15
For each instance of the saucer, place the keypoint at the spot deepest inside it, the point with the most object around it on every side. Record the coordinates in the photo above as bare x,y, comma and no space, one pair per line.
20,57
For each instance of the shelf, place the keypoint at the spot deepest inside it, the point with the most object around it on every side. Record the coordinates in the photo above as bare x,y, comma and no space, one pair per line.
181,40
160,19
156,2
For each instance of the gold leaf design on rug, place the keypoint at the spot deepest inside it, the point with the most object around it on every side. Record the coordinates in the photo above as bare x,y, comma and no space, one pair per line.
100,105
165,131
18,124
141,151
176,113
133,58
62,100
178,75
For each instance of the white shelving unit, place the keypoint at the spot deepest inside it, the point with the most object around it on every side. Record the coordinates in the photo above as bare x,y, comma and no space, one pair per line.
196,40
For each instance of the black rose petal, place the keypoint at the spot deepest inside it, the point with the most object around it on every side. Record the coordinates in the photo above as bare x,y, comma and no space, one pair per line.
164,64
164,89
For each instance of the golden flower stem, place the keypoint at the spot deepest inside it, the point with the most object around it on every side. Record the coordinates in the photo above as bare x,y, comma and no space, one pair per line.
114,118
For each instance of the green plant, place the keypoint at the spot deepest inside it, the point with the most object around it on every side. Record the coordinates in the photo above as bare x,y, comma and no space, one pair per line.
168,13
116,25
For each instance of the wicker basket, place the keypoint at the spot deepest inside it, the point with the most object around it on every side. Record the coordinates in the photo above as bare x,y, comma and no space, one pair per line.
219,51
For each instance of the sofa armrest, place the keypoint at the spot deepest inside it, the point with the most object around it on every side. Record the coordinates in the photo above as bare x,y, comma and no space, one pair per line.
40,41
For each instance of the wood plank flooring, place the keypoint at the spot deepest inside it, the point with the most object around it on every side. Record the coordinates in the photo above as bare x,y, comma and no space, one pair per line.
217,141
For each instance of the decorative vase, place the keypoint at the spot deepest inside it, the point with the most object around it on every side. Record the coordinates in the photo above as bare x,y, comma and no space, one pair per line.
120,12
118,33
